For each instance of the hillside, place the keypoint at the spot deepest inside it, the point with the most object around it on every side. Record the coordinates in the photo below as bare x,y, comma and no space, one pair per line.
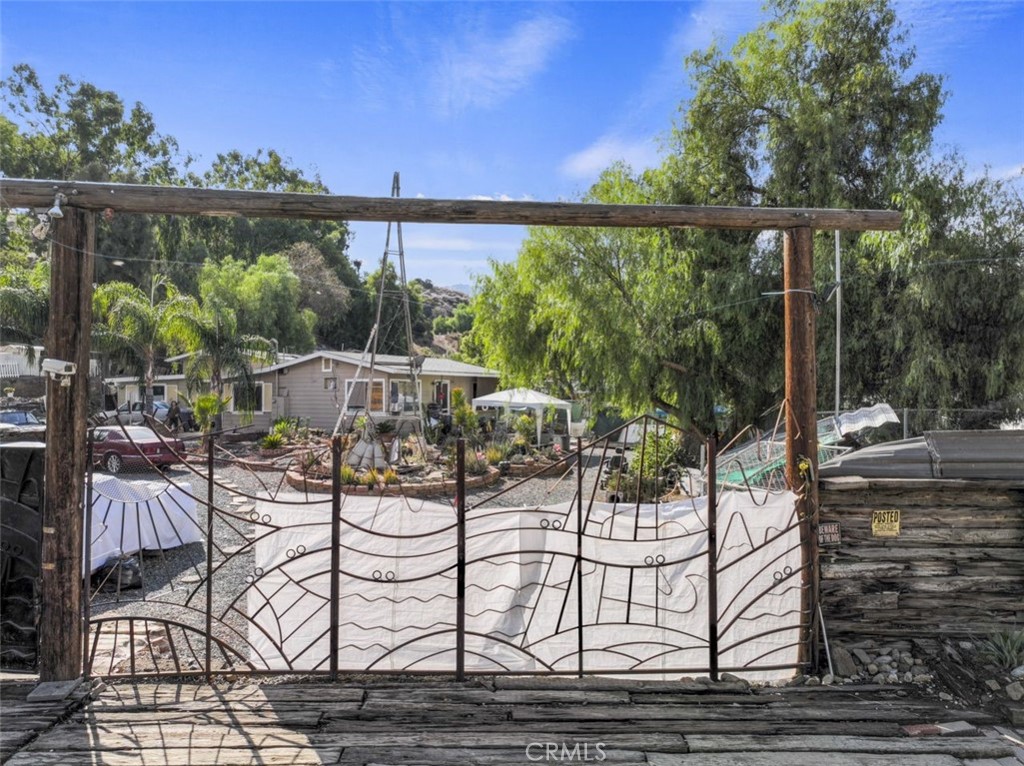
439,301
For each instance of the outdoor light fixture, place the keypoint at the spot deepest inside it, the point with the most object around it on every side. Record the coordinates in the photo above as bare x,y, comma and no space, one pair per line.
577,429
55,211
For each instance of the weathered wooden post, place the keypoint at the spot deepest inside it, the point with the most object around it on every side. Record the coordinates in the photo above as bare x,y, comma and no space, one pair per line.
802,415
67,411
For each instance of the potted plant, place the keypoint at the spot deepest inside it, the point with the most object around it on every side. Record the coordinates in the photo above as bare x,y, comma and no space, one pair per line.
386,432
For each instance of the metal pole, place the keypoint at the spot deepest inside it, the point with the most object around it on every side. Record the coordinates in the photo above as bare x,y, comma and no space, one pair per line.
579,554
87,561
839,319
460,618
335,553
712,558
209,557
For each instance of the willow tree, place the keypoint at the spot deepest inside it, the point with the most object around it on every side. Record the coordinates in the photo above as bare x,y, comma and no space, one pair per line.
818,107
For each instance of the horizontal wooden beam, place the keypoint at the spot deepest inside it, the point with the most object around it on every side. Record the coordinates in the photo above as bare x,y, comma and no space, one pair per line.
177,200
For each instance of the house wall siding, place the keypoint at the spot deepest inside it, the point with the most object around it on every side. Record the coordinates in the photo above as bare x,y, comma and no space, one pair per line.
307,399
301,393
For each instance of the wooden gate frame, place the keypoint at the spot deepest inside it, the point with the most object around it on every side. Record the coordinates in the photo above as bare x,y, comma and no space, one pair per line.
67,338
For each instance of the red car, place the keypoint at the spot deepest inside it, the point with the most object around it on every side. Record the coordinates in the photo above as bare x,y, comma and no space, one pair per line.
114,450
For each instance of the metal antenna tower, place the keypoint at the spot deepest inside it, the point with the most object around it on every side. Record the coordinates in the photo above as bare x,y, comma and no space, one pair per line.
415,361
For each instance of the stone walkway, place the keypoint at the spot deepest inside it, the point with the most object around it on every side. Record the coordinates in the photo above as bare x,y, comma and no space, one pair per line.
497,721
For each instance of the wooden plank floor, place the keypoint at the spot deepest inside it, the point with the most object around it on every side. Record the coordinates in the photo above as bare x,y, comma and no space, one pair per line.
504,721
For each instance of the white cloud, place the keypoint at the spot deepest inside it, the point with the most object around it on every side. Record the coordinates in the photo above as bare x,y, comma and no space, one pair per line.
588,163
942,30
490,198
1011,173
711,21
480,70
499,198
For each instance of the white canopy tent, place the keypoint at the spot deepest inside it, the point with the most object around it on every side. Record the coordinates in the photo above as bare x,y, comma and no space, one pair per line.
520,398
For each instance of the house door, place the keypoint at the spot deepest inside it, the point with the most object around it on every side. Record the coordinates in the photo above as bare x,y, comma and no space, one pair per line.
441,395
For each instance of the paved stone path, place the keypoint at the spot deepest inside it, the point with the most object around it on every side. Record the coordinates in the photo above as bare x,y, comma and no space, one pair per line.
495,721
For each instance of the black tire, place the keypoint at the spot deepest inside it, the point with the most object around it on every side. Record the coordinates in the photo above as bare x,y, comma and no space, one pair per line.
114,463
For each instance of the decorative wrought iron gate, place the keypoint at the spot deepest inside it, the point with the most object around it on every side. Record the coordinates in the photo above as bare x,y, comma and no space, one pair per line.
585,578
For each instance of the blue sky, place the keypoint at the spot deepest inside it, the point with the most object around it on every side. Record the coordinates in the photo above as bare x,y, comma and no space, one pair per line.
466,100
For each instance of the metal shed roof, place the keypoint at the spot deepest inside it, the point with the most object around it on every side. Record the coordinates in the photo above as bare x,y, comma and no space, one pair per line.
937,455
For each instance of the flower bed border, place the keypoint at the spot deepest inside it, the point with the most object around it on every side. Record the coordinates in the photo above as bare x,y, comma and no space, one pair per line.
446,486
523,470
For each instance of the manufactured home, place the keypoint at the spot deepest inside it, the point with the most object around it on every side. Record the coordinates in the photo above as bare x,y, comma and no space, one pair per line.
314,388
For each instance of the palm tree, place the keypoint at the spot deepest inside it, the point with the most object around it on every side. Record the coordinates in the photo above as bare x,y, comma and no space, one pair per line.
218,353
23,315
134,327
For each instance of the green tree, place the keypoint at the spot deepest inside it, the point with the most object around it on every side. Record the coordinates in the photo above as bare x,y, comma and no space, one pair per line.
322,292
819,107
460,321
248,238
76,130
391,338
956,282
631,317
79,131
218,353
135,327
24,284
264,298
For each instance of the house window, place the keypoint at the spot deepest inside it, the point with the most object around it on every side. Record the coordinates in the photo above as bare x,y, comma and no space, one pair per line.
330,384
405,396
326,365
356,391
247,399
159,393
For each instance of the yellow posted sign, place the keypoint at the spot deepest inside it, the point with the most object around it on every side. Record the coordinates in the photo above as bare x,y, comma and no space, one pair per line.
885,523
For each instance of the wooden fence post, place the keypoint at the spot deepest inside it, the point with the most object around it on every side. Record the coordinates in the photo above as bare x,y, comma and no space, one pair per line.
67,411
802,416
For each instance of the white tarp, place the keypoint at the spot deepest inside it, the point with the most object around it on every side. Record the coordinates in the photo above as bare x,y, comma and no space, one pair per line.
129,516
644,586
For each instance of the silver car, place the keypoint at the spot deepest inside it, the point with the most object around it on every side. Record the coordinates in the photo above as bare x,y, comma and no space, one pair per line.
130,413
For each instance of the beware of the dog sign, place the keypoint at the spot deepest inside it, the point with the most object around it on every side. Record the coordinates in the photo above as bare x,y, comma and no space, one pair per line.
829,534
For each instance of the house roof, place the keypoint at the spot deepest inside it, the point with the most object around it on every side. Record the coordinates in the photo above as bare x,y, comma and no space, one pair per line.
14,362
391,364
